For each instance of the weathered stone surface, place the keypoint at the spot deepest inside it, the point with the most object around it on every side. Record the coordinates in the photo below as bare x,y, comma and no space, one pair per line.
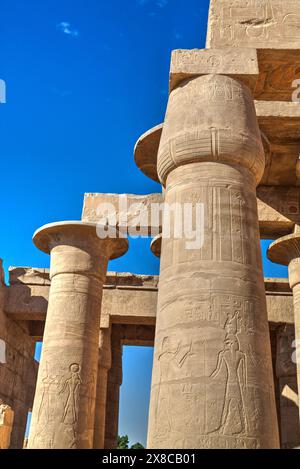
18,369
138,335
208,390
127,298
28,275
286,250
269,74
145,152
279,123
132,299
241,64
256,23
115,378
271,27
288,390
6,425
279,301
279,120
131,211
104,365
135,319
64,405
278,69
278,209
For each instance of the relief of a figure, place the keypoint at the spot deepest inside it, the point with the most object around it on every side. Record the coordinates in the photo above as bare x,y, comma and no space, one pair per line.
234,361
71,387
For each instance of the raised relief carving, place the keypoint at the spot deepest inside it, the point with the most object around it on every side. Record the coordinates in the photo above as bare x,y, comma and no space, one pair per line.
234,419
70,386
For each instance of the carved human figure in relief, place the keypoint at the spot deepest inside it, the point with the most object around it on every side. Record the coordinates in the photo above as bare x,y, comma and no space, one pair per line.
233,419
71,385
44,409
172,352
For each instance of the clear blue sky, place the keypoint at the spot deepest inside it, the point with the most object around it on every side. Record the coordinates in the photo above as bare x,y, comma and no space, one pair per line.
84,79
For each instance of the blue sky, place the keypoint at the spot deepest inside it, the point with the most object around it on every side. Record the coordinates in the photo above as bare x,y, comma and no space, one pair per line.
84,79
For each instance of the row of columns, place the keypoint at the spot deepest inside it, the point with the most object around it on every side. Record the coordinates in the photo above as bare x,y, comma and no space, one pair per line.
212,383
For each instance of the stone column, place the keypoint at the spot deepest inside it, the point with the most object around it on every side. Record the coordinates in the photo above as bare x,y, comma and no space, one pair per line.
104,366
286,251
286,374
64,405
212,383
113,392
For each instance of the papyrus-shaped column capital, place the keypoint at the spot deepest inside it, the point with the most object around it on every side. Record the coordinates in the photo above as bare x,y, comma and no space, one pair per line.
286,251
76,248
211,118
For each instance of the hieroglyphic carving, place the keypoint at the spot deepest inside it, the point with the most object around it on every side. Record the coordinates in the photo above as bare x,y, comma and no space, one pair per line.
257,23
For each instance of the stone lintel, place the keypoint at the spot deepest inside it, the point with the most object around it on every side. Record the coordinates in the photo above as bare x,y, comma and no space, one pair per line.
137,335
278,285
124,205
279,120
240,63
128,299
269,73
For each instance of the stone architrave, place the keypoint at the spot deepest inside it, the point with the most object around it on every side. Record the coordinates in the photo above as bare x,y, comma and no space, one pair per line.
64,404
264,24
6,425
212,383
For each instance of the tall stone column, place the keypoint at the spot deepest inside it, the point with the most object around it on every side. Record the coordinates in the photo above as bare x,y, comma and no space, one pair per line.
286,251
286,375
104,366
64,404
212,383
115,377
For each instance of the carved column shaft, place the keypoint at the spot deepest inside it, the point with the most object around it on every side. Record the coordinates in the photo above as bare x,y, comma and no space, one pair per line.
64,405
286,373
115,377
104,366
212,384
294,276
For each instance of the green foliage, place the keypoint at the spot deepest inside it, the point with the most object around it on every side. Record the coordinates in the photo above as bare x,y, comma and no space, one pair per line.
137,446
123,443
